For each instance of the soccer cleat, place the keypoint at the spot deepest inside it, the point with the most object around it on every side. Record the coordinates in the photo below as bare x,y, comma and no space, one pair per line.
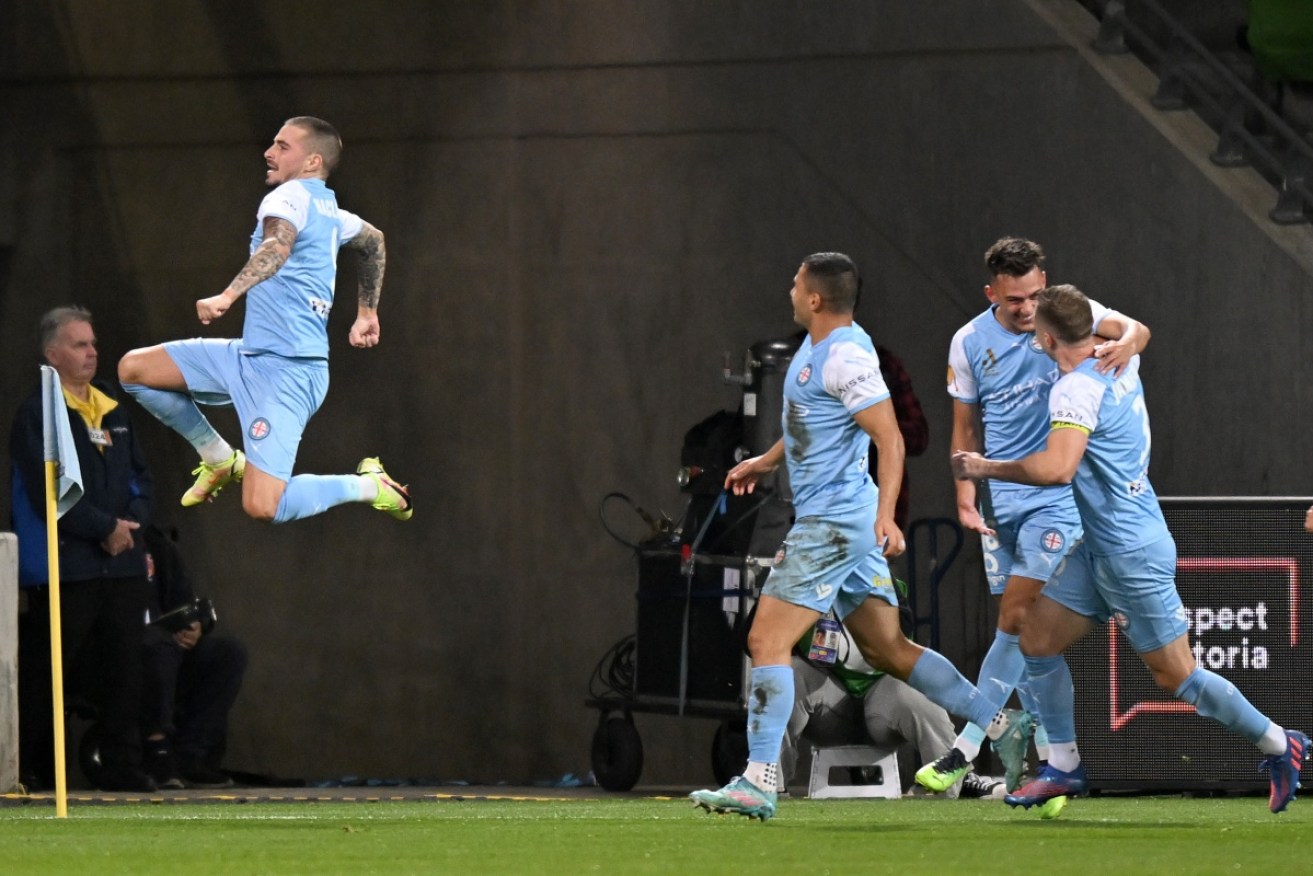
213,478
1052,807
1051,784
739,796
1283,770
394,498
1011,747
940,775
974,785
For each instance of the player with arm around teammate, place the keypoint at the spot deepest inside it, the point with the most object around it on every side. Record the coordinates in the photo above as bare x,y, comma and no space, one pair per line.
1125,568
999,379
276,374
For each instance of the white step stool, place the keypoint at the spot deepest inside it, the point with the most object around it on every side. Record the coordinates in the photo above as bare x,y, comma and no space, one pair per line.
885,760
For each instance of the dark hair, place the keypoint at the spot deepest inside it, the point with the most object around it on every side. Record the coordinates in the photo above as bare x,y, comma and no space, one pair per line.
833,276
324,139
1013,257
54,320
1066,312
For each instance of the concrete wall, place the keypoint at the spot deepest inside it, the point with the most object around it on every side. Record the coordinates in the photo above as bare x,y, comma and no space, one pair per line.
586,204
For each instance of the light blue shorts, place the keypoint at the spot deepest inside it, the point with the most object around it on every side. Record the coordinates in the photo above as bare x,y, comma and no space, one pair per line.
1137,589
1033,532
274,396
827,563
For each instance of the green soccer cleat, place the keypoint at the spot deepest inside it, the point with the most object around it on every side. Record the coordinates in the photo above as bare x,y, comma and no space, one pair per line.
739,797
1011,747
1052,807
213,478
394,498
943,773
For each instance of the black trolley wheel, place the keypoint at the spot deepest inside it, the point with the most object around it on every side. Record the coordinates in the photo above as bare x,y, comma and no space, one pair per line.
617,753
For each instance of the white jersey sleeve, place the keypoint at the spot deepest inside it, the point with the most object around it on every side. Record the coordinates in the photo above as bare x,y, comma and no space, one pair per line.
1100,313
852,375
961,381
1075,401
351,224
290,201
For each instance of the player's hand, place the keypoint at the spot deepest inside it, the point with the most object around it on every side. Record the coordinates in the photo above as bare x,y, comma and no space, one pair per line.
364,331
210,309
1113,356
967,465
1308,520
743,477
889,537
972,521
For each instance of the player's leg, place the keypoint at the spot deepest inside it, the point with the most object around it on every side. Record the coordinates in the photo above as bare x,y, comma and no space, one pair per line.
1143,587
160,384
268,498
1174,669
1034,532
776,627
275,399
875,628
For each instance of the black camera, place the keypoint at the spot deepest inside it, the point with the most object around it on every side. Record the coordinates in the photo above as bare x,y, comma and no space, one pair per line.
185,615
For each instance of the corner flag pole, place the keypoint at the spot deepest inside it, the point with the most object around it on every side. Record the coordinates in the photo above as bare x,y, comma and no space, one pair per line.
56,643
63,489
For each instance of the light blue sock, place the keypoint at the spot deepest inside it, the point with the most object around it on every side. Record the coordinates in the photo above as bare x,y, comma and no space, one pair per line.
176,410
1214,697
1049,687
935,677
307,495
1041,736
770,704
999,674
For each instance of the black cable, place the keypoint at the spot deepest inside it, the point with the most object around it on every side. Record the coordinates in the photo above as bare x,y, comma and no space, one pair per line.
647,518
614,673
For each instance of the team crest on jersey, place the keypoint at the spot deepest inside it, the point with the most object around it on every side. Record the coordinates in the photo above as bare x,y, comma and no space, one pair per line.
1034,344
259,429
805,374
1052,540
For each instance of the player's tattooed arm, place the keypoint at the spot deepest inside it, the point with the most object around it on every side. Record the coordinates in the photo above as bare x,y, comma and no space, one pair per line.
269,256
373,262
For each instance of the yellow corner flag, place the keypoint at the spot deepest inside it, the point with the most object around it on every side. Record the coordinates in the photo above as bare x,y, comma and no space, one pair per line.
63,489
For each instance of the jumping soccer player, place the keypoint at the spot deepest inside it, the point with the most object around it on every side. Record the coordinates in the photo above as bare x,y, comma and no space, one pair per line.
834,556
276,374
1099,442
999,380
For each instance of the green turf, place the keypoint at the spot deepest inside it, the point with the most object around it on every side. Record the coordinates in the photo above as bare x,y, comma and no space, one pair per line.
1105,836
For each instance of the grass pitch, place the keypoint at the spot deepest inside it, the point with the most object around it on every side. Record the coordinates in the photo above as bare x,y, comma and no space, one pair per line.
1105,836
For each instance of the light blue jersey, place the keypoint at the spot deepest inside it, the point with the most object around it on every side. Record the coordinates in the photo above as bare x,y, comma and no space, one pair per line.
1008,377
830,558
1118,506
825,449
287,314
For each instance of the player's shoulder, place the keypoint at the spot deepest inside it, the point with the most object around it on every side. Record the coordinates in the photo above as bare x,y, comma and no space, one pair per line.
982,324
1084,379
